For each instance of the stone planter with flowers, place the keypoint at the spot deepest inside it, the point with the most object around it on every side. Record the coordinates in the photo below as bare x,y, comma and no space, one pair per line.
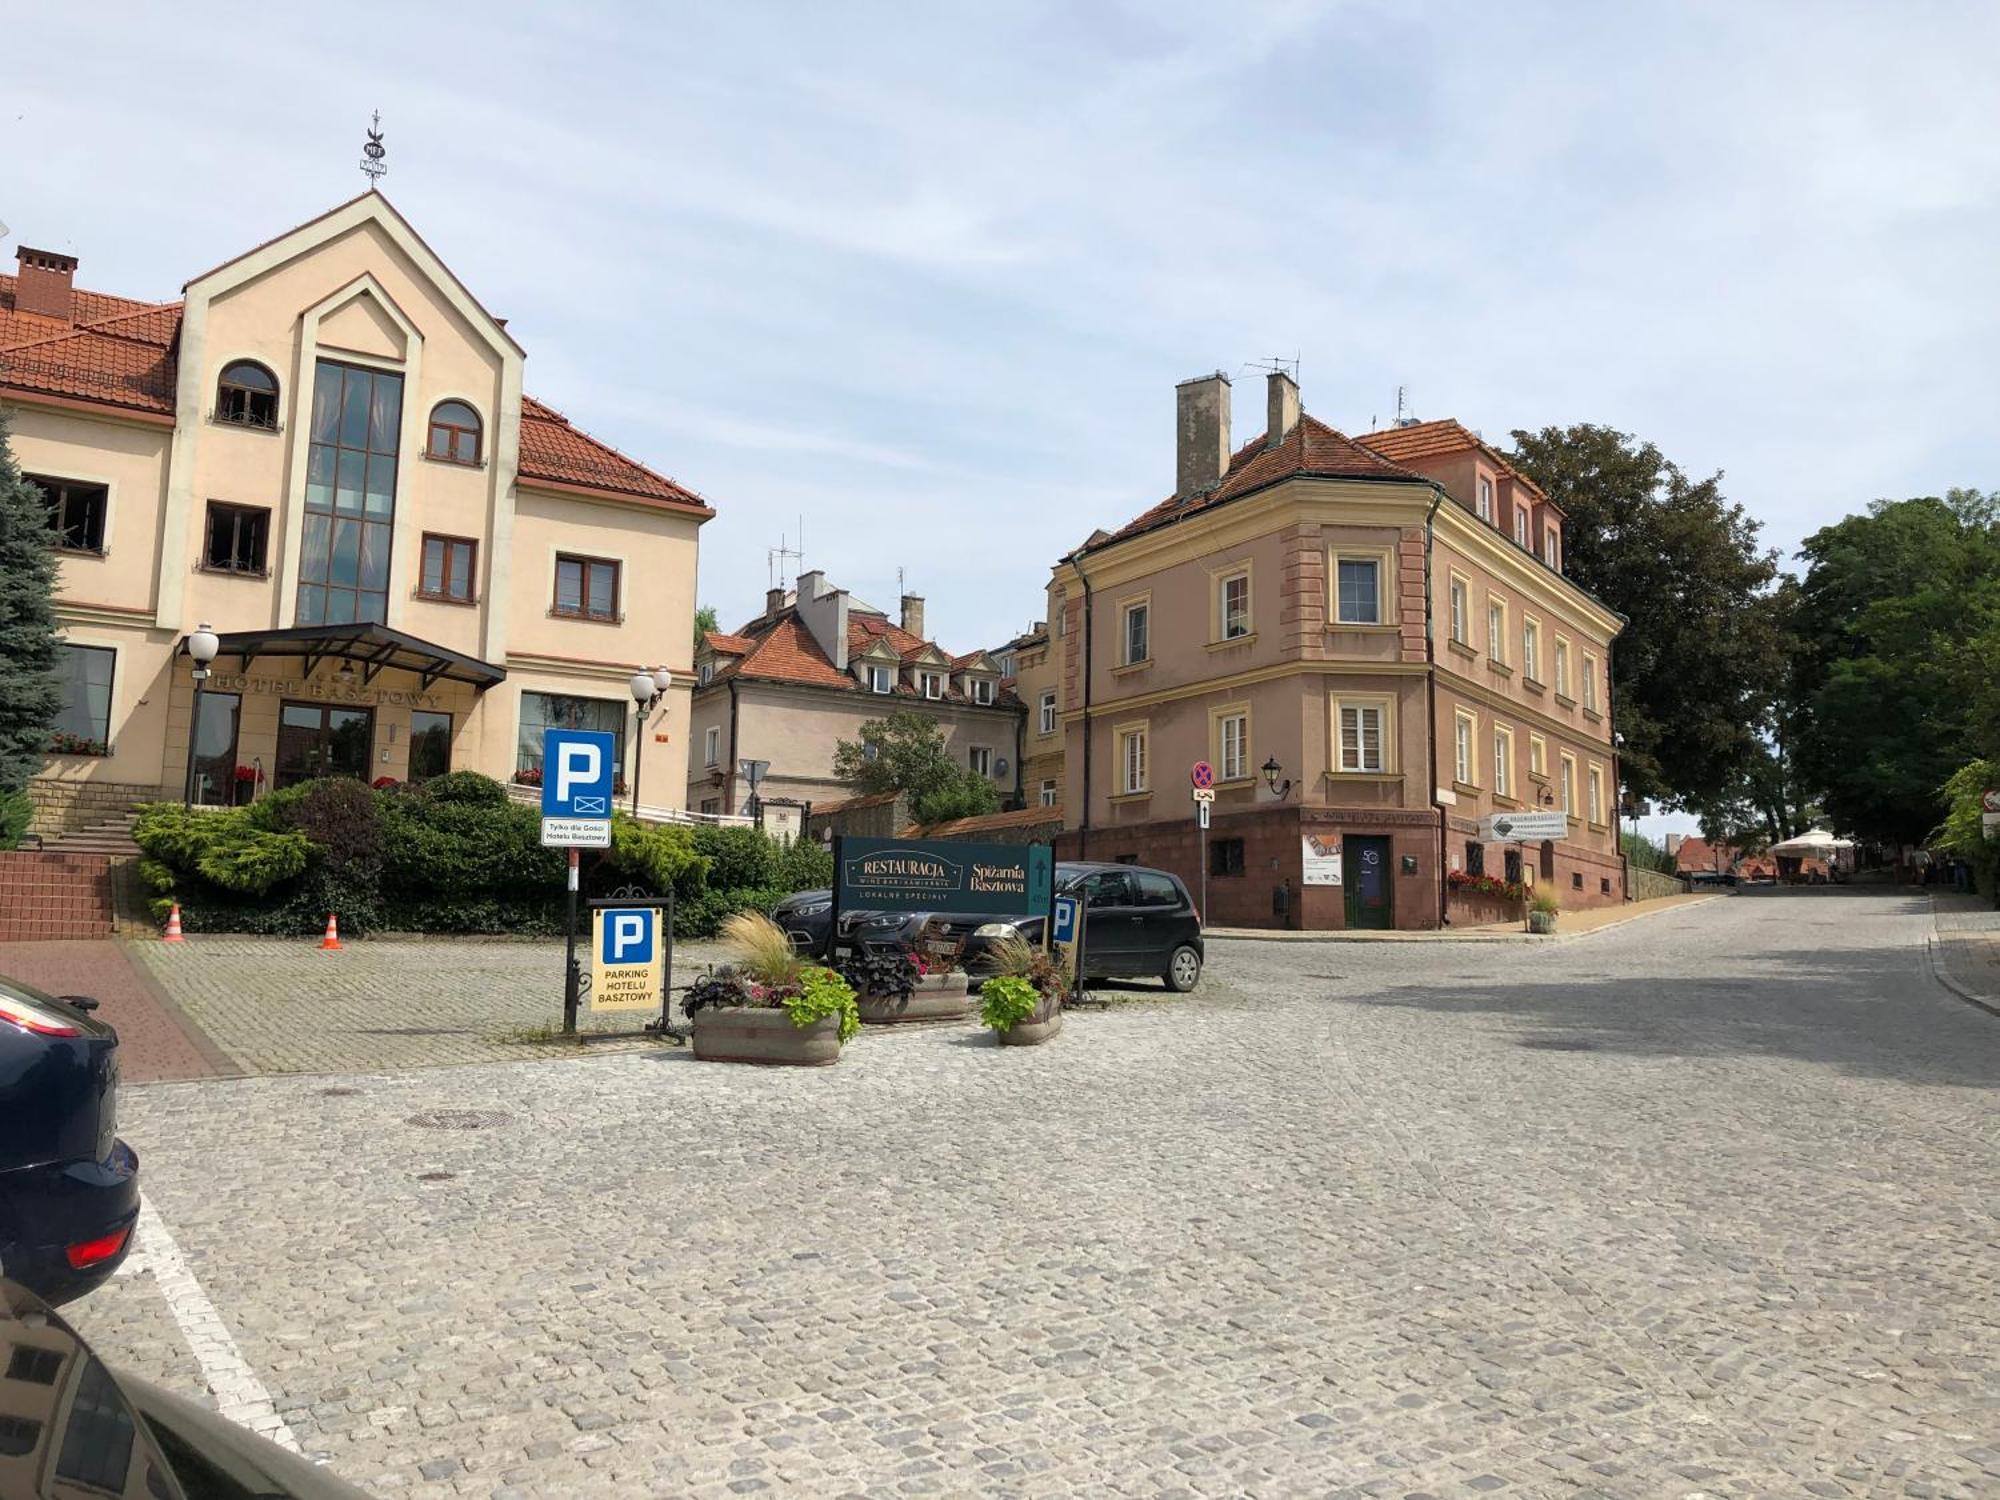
1023,1000
770,1006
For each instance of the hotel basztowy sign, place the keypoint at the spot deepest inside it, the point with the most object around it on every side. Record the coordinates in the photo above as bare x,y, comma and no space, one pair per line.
939,875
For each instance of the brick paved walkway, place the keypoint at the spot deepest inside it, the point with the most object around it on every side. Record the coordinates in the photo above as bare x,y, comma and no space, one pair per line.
155,1041
1700,1207
276,1005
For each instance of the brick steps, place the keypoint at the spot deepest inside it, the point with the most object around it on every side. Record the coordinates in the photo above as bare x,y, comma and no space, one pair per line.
54,896
111,837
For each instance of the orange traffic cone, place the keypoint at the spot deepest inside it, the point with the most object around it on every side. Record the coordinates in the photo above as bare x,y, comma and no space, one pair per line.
331,942
173,932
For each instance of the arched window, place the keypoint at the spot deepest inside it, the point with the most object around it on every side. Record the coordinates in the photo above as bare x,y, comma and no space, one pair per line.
454,433
247,394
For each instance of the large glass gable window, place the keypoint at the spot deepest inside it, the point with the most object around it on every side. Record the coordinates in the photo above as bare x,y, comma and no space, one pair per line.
357,418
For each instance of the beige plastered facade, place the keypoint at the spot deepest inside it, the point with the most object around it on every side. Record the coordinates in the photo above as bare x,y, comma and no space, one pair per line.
358,287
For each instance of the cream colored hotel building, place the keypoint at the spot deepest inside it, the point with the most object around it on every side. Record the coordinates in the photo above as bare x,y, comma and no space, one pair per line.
322,451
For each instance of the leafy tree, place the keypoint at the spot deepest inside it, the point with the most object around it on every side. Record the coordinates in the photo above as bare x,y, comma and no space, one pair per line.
1645,854
905,753
1769,798
1693,669
705,620
1963,830
1904,603
30,697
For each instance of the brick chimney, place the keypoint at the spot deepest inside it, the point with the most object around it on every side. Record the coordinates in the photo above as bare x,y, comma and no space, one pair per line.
913,615
1282,403
1202,434
774,602
43,284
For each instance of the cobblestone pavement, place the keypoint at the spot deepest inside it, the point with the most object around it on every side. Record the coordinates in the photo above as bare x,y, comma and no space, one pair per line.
1703,1206
278,1005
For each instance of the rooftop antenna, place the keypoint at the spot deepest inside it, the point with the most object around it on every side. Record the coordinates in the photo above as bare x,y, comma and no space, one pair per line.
372,165
1404,416
1276,364
775,558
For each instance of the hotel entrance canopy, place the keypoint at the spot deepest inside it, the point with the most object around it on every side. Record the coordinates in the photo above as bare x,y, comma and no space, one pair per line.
368,646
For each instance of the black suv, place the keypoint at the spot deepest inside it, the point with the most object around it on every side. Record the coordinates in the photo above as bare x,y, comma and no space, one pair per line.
1139,923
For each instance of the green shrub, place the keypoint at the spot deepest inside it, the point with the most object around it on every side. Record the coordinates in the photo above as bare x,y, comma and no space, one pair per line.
466,786
660,856
461,846
250,860
1006,1000
178,837
824,993
738,857
341,816
805,865
16,808
702,914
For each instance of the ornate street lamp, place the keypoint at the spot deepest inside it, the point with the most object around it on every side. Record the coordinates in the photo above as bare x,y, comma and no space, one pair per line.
1272,771
201,647
647,687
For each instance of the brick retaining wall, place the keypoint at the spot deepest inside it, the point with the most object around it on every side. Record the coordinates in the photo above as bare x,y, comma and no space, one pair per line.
50,896
64,806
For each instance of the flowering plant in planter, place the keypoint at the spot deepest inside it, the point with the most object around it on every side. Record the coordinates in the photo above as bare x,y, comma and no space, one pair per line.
248,774
1485,885
770,975
62,742
1026,983
528,776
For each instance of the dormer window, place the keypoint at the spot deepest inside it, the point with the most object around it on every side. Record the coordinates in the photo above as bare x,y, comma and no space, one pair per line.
1520,526
705,673
1486,499
880,678
1552,547
982,689
247,394
931,684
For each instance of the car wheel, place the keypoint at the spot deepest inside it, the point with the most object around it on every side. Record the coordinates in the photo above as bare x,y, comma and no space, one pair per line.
1183,970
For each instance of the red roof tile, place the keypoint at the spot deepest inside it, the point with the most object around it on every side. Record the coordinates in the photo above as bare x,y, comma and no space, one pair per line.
1020,817
1312,449
118,352
787,652
1421,440
731,645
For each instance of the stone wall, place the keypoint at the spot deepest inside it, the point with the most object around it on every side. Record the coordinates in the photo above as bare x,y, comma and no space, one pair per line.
880,817
1650,885
65,806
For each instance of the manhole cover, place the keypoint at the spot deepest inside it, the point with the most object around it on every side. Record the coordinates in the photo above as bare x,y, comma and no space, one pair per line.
338,1093
458,1119
436,1176
1558,1044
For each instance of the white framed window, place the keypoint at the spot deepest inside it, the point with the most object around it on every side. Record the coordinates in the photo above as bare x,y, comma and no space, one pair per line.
932,684
881,679
980,758
711,805
1358,590
1569,784
1232,739
1590,684
1362,733
1459,625
1538,755
1048,792
1132,759
1521,525
706,673
1463,732
1485,499
1596,785
1562,666
1503,762
1552,548
1496,630
1234,606
1138,640
1531,650
711,745
1045,721
982,689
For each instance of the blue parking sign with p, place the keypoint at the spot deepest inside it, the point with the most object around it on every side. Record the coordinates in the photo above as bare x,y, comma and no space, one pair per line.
579,770
629,935
1066,910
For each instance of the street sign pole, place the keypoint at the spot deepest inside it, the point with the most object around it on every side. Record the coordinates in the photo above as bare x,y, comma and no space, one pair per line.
569,951
1201,776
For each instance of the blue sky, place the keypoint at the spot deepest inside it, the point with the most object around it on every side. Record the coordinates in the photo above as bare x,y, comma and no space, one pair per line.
926,274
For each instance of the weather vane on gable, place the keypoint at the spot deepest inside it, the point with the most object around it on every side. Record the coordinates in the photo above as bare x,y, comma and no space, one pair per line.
372,165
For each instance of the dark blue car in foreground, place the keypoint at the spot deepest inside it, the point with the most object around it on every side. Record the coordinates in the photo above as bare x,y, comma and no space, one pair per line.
69,1188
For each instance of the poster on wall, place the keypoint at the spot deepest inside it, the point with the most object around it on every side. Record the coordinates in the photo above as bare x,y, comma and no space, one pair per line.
1322,858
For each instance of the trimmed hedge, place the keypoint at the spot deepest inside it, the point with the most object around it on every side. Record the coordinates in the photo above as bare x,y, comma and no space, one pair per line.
454,854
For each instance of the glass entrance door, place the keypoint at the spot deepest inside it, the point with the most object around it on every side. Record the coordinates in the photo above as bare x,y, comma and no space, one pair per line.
317,739
1366,861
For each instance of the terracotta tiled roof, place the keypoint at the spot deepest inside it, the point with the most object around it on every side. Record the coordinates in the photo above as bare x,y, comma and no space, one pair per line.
854,804
115,351
787,652
118,352
1020,817
1422,440
730,645
1313,449
553,450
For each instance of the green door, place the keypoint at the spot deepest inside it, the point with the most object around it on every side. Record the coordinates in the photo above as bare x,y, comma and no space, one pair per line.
1364,863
